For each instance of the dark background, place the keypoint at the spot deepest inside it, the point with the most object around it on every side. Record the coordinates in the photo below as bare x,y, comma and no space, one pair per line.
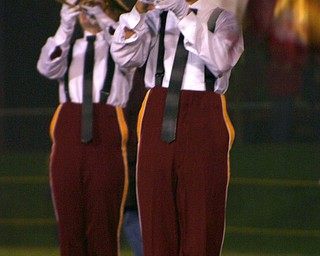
25,26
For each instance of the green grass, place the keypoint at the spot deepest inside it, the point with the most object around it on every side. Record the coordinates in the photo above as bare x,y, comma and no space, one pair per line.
54,252
40,252
25,163
273,202
28,252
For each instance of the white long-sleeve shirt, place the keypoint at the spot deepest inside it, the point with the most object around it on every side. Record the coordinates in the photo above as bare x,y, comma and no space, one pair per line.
219,50
56,68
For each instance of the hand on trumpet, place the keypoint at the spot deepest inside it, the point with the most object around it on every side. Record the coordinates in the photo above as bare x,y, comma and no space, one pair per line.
99,14
179,7
71,3
68,19
75,8
69,15
145,5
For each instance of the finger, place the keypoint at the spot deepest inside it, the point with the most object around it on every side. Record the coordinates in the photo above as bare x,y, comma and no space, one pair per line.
74,12
86,7
160,4
90,9
71,2
162,7
149,2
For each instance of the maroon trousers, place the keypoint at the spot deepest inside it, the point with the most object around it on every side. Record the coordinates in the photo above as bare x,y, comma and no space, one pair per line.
182,186
89,181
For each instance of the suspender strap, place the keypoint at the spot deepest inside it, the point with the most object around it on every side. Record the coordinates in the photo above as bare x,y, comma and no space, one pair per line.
209,77
160,67
213,19
105,92
66,75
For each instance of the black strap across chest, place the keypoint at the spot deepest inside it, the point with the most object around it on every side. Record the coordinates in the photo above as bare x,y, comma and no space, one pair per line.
105,92
210,79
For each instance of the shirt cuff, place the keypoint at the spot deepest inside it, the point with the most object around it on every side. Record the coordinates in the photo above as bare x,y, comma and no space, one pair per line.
51,45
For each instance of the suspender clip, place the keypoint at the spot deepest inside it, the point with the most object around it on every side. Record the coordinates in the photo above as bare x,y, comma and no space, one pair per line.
104,97
159,78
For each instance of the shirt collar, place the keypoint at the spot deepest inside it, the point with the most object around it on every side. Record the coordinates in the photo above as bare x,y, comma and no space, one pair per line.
99,36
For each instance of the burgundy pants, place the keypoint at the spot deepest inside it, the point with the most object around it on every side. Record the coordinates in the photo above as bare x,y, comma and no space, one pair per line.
89,181
182,186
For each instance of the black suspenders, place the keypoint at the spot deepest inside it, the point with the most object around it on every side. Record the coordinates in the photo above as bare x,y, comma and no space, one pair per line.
209,77
66,75
105,92
160,67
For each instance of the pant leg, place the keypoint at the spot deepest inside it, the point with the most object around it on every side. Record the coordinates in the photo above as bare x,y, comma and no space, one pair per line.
89,181
182,185
204,138
105,181
65,180
156,182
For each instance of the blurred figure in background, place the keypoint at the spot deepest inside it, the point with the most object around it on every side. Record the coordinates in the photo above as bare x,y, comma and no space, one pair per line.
250,73
131,222
278,50
312,69
88,164
287,47
312,89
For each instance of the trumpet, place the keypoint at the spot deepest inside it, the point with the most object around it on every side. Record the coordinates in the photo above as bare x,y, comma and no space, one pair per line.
66,3
91,18
83,2
90,3
112,4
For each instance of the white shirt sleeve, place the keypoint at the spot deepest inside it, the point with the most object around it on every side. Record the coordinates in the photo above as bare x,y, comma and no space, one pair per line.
221,49
133,51
52,68
55,69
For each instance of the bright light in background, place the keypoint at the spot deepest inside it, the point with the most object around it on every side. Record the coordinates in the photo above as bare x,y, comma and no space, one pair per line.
305,18
314,23
291,16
